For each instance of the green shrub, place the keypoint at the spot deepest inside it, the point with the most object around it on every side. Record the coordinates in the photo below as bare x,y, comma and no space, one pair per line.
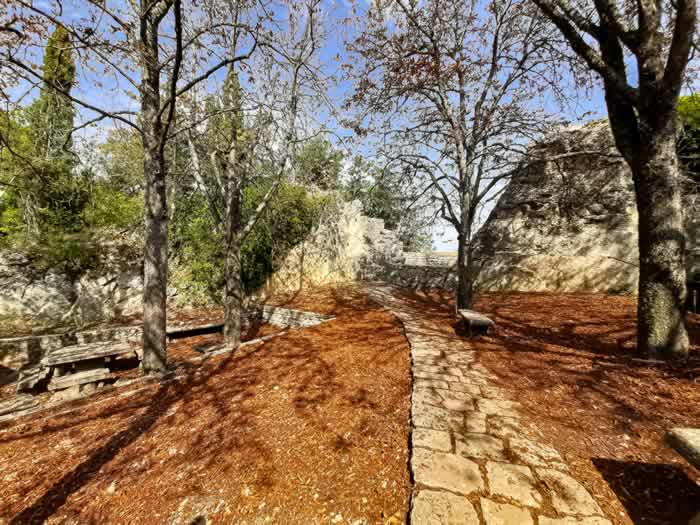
199,248
112,207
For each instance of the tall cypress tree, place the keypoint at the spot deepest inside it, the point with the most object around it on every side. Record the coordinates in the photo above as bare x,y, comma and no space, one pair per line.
58,196
52,115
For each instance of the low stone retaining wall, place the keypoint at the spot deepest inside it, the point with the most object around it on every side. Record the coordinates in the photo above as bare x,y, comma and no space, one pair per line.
418,277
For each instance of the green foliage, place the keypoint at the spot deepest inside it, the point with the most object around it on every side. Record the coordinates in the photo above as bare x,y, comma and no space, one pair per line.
72,254
689,110
384,196
121,159
110,207
319,164
379,193
198,248
288,219
689,145
52,114
199,271
42,207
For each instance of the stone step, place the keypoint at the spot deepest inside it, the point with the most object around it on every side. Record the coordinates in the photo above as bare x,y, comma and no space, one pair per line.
79,378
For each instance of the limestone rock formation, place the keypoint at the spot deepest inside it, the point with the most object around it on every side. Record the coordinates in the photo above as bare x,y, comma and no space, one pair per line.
112,289
567,220
346,246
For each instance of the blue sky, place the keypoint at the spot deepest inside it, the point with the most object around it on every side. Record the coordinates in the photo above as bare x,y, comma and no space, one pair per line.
109,92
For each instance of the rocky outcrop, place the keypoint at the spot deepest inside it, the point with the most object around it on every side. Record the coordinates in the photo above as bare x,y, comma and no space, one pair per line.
112,289
567,220
346,246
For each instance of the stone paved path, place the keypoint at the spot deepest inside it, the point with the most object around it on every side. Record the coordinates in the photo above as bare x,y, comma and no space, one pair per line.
474,461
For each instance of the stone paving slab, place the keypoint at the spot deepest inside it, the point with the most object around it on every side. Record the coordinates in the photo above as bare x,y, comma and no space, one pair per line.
473,459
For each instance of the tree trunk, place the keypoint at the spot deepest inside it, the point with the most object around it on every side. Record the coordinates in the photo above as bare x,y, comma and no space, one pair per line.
155,260
155,263
233,289
661,330
465,274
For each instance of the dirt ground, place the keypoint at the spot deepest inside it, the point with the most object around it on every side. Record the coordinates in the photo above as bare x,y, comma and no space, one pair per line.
309,427
570,361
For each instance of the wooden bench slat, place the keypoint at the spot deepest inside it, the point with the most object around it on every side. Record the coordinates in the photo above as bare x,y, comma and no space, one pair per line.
79,378
30,377
72,354
475,318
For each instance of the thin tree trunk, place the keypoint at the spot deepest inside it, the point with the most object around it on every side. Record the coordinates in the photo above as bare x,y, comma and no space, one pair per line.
465,274
661,330
233,288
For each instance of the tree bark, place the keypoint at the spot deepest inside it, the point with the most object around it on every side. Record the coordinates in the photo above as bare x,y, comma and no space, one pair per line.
233,288
661,330
465,274
155,262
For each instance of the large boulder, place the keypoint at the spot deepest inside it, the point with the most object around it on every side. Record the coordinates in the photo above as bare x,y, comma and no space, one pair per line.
29,294
567,220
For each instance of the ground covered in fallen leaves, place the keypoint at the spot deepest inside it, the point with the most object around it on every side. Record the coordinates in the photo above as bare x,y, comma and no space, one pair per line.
570,361
308,427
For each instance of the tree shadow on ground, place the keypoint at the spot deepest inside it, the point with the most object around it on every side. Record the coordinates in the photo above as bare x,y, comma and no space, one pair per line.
168,393
210,412
651,492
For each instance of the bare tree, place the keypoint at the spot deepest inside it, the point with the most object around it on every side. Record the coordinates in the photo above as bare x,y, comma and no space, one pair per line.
612,39
235,155
456,84
139,47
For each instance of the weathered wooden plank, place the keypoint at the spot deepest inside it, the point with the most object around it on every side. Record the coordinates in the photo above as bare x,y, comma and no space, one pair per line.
30,377
686,441
18,403
178,332
72,354
475,318
79,378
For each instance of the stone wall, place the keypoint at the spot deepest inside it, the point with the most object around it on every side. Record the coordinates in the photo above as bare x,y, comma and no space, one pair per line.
347,246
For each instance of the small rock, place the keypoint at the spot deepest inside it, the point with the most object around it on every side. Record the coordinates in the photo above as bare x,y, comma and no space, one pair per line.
112,488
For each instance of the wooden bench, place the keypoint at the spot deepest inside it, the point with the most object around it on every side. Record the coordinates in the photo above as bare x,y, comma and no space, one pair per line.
474,320
74,366
686,441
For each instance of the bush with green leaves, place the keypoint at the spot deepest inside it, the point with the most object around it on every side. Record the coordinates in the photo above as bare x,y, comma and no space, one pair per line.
689,144
198,246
